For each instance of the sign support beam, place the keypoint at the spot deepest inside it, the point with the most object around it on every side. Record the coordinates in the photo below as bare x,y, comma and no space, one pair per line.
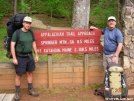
50,78
86,69
49,71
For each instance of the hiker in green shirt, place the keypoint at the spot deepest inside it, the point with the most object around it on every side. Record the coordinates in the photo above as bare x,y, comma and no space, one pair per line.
22,56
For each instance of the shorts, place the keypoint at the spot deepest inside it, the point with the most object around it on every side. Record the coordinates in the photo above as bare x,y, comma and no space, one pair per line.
25,64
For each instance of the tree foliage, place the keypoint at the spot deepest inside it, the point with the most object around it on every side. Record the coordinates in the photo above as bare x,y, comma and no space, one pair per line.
4,7
59,8
101,9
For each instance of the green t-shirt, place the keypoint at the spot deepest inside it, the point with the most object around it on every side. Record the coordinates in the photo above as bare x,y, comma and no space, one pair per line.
27,38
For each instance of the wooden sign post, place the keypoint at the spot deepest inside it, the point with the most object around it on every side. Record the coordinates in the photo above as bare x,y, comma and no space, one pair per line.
68,42
50,78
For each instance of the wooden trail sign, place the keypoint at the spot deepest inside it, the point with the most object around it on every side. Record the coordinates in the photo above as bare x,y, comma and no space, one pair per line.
67,41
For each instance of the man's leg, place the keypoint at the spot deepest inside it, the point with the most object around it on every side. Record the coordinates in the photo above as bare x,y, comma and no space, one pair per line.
105,63
30,85
17,86
17,81
29,80
108,59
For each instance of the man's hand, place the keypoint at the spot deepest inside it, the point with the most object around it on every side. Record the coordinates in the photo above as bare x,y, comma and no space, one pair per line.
92,27
36,58
114,59
15,61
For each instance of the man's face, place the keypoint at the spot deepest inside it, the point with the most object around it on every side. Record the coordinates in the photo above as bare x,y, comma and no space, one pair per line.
111,24
26,25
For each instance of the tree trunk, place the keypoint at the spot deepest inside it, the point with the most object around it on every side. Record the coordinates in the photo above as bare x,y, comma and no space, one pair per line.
81,21
81,14
15,7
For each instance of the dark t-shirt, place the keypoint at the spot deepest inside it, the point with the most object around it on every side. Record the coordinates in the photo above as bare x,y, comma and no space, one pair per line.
111,40
27,38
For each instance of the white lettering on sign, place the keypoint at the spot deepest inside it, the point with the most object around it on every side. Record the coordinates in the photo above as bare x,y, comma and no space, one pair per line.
58,34
39,50
86,33
71,41
70,34
63,42
52,50
89,41
79,41
49,42
81,49
93,48
43,34
66,49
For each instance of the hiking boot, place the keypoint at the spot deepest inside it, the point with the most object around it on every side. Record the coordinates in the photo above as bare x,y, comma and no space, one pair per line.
32,92
17,96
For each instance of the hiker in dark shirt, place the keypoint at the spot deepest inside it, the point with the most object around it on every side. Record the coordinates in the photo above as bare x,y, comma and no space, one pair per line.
23,58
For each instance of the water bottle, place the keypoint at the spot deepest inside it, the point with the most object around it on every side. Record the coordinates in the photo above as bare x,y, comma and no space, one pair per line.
106,82
123,83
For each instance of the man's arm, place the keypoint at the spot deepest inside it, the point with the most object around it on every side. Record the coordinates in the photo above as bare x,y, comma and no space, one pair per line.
35,51
13,53
120,42
119,48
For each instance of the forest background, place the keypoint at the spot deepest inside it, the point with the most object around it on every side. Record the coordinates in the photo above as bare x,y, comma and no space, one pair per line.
55,13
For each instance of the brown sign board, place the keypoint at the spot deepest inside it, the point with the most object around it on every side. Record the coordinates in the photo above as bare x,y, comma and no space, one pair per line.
67,41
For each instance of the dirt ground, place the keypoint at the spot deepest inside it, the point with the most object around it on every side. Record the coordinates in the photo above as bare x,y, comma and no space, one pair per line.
67,95
70,95
78,93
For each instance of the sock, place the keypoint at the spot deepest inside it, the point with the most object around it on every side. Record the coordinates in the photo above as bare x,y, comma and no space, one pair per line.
30,86
17,88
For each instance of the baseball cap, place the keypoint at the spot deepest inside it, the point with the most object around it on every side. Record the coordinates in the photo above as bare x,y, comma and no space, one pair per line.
27,19
111,18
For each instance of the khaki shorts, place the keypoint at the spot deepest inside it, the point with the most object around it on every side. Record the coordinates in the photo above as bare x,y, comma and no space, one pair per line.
107,59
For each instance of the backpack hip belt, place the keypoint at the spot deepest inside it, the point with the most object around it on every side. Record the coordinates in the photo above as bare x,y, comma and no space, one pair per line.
24,54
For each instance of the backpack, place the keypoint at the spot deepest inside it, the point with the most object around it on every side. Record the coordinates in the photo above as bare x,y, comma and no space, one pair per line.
116,81
14,24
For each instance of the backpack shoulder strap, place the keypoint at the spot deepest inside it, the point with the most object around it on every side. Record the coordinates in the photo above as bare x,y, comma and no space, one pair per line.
18,35
32,33
18,39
